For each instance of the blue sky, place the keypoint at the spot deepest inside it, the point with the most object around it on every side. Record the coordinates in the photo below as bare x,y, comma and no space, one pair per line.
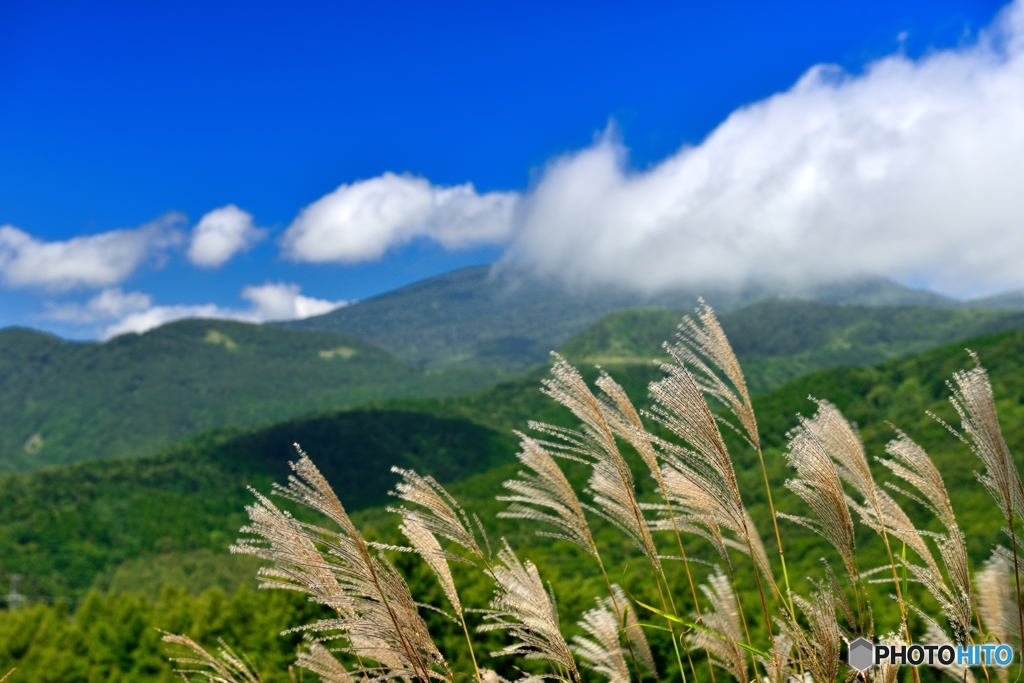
114,116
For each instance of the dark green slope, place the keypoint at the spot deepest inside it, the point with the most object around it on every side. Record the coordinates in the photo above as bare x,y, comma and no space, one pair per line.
508,320
778,341
60,528
62,401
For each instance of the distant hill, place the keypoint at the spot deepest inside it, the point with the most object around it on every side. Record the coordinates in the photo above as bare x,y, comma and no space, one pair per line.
502,319
778,341
1008,301
64,401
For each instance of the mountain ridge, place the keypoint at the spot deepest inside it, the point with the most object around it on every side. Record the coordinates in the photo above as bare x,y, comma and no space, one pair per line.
501,318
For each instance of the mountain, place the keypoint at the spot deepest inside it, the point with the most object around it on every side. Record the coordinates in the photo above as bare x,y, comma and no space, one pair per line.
780,340
501,318
68,401
1010,301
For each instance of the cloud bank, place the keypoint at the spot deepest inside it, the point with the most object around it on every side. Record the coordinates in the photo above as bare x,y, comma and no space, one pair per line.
93,261
221,234
272,301
361,221
912,169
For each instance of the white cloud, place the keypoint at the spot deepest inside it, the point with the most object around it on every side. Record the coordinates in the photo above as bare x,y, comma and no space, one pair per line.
91,261
359,222
281,301
912,169
156,316
109,304
270,302
221,234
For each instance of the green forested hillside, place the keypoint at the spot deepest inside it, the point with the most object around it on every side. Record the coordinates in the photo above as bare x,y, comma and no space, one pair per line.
509,319
63,402
778,341
63,529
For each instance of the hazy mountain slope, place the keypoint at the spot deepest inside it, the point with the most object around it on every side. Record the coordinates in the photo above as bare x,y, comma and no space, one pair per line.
1010,301
64,401
778,341
479,317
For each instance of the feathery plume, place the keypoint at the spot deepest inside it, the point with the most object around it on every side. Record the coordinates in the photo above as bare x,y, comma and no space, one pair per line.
888,672
821,644
635,632
700,478
974,402
723,618
703,347
438,512
524,607
545,495
376,612
224,667
426,546
819,485
912,464
600,650
934,635
611,481
319,660
995,601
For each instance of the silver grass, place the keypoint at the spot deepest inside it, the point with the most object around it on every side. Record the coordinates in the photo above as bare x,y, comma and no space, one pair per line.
640,648
437,511
973,400
702,473
492,676
777,670
896,523
601,650
426,546
611,482
842,442
624,420
934,635
723,618
375,611
889,673
975,404
321,661
543,494
702,346
995,602
224,667
821,643
819,485
523,606
912,464
955,601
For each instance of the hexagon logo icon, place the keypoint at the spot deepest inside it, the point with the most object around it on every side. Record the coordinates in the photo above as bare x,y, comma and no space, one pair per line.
861,654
